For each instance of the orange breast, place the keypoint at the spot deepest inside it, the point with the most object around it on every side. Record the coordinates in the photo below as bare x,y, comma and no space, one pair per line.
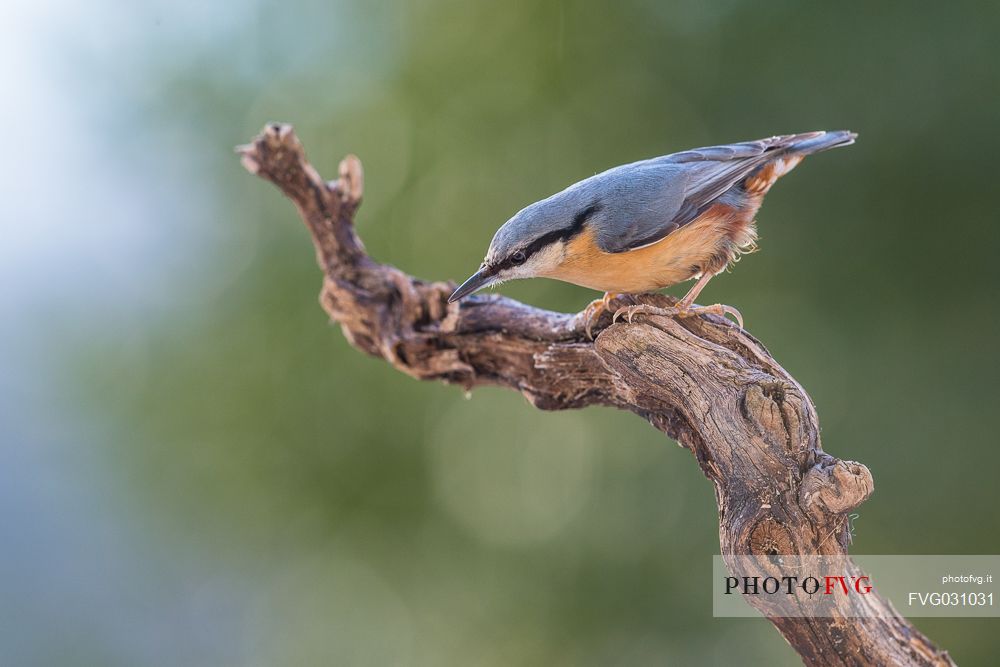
706,244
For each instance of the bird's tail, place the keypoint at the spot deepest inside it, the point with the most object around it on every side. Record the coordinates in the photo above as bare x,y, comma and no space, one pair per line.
788,151
814,142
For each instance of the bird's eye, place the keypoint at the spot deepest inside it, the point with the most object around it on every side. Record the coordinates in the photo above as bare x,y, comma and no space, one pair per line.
518,258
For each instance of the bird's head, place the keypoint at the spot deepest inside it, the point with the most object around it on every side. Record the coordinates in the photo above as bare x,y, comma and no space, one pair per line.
532,243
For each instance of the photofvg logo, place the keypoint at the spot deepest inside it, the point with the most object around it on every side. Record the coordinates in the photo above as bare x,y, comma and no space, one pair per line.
860,586
793,585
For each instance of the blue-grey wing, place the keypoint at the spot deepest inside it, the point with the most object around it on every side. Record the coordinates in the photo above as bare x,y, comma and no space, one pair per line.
650,199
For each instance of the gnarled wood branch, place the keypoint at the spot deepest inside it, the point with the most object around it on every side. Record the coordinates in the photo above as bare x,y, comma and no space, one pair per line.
703,381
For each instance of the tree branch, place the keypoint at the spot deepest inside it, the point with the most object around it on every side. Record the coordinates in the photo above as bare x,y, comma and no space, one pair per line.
704,382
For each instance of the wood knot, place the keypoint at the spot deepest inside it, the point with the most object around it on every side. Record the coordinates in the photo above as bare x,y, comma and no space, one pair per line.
768,406
770,538
833,486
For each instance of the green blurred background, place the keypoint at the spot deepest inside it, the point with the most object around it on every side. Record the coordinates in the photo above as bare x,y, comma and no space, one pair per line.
198,470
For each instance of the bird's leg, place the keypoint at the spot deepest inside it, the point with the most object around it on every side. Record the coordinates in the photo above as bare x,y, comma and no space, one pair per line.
687,308
592,313
684,308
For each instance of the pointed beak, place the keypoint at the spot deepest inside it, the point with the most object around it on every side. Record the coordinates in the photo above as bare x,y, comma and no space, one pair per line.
478,280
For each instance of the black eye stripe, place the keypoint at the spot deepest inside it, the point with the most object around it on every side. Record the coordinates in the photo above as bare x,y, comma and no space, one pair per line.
565,234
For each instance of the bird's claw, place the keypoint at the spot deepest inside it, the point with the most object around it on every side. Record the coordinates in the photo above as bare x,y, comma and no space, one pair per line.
724,310
592,313
629,312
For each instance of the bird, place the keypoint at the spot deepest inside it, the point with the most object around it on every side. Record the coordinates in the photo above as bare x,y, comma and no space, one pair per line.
647,225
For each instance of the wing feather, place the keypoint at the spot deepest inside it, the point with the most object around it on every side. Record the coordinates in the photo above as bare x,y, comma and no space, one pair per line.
661,195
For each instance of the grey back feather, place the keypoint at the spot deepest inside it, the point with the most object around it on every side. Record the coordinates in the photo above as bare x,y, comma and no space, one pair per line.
640,203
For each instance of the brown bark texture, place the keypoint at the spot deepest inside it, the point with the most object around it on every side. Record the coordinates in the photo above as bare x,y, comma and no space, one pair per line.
702,381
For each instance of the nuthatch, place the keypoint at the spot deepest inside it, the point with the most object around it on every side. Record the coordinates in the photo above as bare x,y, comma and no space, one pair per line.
650,224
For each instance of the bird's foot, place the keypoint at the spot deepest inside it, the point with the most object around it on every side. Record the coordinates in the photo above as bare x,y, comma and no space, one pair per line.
591,315
629,312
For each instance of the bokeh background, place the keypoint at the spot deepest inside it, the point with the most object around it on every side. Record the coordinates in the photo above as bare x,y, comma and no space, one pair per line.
195,467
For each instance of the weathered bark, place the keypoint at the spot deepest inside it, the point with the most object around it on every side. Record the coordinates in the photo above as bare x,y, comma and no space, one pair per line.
704,382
